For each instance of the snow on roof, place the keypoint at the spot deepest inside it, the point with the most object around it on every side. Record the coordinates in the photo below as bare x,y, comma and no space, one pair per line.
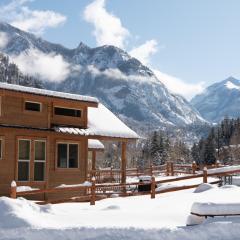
45,92
95,144
101,122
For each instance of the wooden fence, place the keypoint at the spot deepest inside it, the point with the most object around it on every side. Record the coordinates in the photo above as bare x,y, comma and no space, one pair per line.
94,192
111,175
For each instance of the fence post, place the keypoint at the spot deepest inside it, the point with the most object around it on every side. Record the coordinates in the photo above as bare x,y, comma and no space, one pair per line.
93,192
111,175
153,185
151,170
13,190
194,167
167,169
171,169
205,175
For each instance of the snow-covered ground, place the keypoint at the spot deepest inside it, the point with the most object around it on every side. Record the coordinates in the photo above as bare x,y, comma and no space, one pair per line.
120,218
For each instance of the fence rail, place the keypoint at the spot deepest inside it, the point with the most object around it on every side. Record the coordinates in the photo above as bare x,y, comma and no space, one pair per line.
94,192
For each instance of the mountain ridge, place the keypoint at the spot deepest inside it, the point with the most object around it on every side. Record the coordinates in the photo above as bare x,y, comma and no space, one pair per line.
219,100
123,83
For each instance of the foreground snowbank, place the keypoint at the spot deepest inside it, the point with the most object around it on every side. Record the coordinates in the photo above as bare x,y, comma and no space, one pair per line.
119,218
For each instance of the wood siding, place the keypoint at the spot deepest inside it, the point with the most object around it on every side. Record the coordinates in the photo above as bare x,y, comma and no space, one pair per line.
54,176
13,110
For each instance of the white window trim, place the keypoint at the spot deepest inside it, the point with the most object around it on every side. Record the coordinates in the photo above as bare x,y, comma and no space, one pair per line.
25,160
68,143
41,161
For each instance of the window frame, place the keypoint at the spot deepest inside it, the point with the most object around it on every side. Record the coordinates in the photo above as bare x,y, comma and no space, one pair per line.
39,161
1,106
63,107
78,158
24,160
32,111
2,147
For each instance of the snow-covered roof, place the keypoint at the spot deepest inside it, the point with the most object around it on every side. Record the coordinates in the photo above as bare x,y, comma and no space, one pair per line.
101,122
45,92
95,144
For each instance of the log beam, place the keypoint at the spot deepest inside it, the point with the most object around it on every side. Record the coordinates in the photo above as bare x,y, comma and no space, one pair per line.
124,162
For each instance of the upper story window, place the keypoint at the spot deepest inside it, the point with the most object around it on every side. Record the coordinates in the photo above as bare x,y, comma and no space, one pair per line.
33,106
70,112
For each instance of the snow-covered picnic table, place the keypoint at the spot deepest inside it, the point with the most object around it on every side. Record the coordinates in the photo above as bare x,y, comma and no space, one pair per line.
212,209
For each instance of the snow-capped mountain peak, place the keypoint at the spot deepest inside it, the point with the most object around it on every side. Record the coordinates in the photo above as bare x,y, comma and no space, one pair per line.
219,100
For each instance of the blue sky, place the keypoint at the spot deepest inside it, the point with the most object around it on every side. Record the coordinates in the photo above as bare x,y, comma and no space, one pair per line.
190,44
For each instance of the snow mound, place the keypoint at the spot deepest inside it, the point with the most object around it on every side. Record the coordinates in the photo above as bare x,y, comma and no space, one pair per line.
194,220
203,187
230,187
15,213
112,207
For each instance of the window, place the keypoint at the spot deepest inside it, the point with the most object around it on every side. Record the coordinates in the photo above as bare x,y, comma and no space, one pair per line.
33,106
39,160
70,112
67,155
24,147
31,160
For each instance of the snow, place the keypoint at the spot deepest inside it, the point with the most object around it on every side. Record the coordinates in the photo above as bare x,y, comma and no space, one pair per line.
95,144
203,187
102,122
13,184
224,169
25,188
133,218
85,184
231,85
211,208
45,92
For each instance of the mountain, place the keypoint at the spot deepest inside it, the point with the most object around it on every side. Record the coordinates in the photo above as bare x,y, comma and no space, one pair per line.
10,73
219,100
121,82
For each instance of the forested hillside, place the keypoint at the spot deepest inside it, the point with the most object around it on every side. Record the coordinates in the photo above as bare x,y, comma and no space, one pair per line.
10,73
222,143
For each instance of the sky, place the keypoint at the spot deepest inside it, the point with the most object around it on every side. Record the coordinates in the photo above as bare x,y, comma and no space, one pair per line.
188,44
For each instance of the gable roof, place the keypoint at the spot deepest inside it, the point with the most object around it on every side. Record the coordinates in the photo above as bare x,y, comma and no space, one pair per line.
49,93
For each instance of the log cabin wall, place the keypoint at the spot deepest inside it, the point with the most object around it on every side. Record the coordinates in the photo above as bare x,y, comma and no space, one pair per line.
54,176
13,110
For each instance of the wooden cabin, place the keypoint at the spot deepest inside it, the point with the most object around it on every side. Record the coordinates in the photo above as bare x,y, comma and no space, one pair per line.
45,136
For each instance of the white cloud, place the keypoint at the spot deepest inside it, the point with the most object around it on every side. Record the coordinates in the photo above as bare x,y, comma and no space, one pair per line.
144,52
18,14
3,40
176,85
108,28
50,66
115,73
